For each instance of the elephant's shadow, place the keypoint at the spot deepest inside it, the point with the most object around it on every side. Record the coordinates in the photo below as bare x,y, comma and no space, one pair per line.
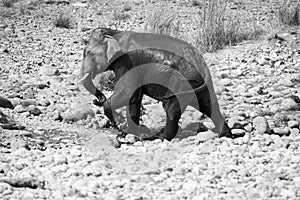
190,129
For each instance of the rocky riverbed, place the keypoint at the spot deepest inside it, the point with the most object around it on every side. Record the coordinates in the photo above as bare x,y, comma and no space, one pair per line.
55,144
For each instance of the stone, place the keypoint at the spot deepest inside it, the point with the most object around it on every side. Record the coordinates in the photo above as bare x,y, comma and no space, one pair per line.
261,126
34,110
293,124
238,132
28,102
130,138
289,104
25,133
77,112
48,70
60,159
20,109
225,82
236,122
5,103
286,82
190,186
294,132
204,136
281,131
44,102
5,189
100,142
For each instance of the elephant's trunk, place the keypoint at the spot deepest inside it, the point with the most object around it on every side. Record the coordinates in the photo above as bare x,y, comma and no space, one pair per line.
89,86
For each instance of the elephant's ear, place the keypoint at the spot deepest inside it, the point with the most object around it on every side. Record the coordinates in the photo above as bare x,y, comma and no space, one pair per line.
113,48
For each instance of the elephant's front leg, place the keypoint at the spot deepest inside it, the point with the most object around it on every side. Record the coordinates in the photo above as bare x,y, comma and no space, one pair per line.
133,112
127,93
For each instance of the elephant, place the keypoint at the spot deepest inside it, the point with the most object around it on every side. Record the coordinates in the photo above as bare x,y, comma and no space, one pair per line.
165,68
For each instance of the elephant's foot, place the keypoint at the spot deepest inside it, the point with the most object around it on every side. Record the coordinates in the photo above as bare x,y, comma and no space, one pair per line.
158,135
100,98
225,132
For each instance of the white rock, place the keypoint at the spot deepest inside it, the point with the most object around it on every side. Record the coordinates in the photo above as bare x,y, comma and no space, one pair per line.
60,159
261,126
289,104
281,131
293,124
205,136
190,186
288,193
59,168
5,189
238,132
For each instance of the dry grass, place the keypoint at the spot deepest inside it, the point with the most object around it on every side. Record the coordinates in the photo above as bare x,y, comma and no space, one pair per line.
7,3
106,80
196,3
217,29
162,22
289,14
63,21
127,7
120,15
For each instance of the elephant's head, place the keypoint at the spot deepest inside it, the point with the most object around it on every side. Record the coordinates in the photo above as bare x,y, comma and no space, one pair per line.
100,51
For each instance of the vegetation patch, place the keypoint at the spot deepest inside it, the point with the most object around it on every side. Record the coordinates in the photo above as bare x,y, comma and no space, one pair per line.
119,15
217,29
7,3
63,21
288,14
163,22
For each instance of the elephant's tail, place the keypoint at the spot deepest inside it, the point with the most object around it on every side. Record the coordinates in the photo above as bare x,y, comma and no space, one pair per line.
195,90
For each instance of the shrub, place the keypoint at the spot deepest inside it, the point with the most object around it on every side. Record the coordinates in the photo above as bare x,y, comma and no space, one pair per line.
120,15
289,14
196,3
7,3
217,29
106,80
212,25
162,22
63,21
127,7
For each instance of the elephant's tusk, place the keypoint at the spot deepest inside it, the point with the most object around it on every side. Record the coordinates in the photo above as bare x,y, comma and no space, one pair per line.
84,77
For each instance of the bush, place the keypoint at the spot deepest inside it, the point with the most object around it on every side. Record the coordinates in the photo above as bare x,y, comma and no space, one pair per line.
289,14
196,3
7,3
120,15
63,21
162,22
218,30
106,80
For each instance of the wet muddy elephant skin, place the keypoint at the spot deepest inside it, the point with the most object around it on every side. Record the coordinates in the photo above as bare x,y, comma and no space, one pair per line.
160,66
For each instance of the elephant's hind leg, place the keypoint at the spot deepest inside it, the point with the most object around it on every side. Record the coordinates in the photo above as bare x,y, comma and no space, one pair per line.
212,110
173,112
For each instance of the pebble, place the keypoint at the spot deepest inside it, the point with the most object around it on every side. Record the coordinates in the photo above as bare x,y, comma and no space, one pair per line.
190,186
289,104
60,159
238,132
261,125
78,112
34,110
281,131
293,124
20,109
205,136
5,189
48,70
